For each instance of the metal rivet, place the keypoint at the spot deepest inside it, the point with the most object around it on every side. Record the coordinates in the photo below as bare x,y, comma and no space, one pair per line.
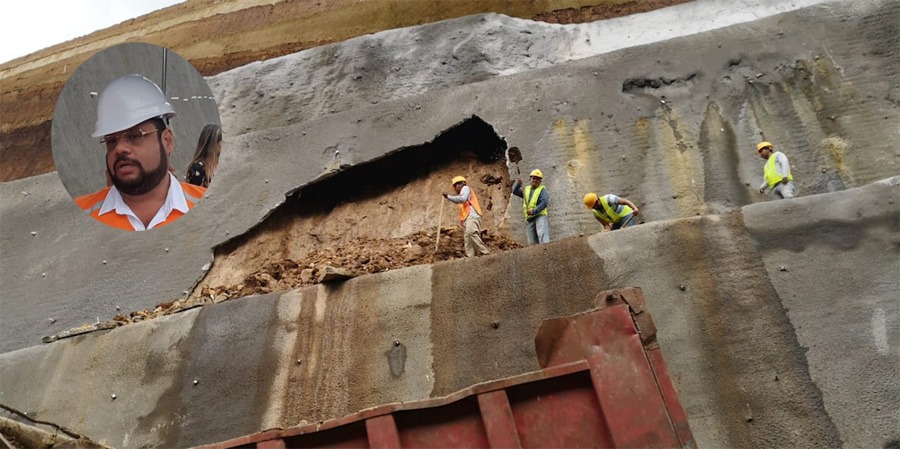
104,262
113,396
396,342
33,233
196,381
683,288
782,268
167,249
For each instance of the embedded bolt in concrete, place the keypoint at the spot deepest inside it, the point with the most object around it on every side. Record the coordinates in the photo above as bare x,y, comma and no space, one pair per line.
113,396
196,381
52,320
24,193
118,308
43,274
683,288
782,268
396,342
495,325
33,233
104,262
823,170
167,249
299,362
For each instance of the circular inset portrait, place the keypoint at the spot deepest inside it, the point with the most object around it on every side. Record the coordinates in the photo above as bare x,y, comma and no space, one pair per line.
136,136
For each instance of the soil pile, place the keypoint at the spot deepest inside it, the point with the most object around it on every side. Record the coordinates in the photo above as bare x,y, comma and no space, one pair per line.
361,256
358,257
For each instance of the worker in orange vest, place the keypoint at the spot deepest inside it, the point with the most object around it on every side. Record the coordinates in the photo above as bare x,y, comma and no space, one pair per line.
132,123
469,216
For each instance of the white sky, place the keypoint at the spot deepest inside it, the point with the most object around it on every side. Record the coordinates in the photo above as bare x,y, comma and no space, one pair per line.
27,26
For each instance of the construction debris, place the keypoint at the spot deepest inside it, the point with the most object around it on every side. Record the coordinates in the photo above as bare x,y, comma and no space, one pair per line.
333,264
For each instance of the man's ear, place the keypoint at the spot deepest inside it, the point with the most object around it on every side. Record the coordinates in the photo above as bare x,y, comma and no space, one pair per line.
168,140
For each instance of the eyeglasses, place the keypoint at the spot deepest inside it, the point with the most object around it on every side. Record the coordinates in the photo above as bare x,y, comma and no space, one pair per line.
133,137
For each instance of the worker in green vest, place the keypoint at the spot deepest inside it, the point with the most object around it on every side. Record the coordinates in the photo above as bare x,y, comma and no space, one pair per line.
776,171
612,211
534,204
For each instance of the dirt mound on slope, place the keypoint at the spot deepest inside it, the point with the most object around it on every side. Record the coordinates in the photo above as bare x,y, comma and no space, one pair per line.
361,256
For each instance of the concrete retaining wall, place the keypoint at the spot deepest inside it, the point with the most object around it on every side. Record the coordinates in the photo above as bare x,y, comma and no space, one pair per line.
762,356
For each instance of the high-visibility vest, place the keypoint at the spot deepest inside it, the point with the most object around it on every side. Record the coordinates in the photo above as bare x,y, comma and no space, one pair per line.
771,175
464,206
94,201
529,201
610,216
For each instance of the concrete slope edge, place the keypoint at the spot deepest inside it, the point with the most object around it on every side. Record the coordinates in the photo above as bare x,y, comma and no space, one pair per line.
747,358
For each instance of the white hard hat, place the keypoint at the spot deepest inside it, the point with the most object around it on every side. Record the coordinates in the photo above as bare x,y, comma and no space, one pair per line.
127,101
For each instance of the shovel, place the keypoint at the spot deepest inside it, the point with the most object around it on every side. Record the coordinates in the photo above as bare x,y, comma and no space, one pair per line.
515,156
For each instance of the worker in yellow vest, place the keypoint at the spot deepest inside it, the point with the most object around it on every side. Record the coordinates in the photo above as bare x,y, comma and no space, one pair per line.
534,204
776,171
132,124
612,211
469,216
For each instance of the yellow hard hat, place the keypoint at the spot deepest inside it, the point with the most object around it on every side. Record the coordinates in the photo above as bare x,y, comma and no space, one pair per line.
537,173
457,179
762,145
590,200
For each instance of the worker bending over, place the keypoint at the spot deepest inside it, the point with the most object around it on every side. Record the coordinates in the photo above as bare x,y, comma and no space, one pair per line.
469,216
776,171
613,212
534,205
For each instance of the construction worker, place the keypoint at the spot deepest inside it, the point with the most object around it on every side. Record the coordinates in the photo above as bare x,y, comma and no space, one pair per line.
613,212
469,216
132,123
776,171
534,205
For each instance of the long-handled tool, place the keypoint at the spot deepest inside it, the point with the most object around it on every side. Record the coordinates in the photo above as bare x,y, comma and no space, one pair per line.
515,156
633,216
437,238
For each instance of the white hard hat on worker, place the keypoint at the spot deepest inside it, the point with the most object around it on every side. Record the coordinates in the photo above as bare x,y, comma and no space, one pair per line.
128,101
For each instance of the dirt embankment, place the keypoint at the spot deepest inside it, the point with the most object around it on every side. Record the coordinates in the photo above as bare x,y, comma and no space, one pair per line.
219,36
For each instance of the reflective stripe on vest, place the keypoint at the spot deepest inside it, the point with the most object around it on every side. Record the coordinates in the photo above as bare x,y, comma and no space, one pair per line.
464,207
611,216
92,203
771,175
529,201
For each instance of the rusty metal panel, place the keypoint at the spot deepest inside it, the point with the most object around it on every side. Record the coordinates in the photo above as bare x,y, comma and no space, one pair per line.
559,412
382,431
498,419
457,424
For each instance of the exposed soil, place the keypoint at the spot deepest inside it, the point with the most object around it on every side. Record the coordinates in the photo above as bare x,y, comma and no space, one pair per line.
218,36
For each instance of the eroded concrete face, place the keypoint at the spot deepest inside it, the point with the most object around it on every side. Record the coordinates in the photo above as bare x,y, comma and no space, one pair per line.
757,356
587,124
744,340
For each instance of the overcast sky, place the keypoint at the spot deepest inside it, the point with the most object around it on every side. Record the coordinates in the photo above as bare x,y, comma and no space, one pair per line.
27,26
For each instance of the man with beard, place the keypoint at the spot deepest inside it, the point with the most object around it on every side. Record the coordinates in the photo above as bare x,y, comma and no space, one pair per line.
132,116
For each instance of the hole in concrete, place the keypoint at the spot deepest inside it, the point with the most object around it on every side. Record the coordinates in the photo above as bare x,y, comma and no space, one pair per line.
372,217
402,167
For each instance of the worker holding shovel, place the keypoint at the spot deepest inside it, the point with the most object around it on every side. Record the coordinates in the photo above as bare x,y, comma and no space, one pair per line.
534,205
469,216
613,212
